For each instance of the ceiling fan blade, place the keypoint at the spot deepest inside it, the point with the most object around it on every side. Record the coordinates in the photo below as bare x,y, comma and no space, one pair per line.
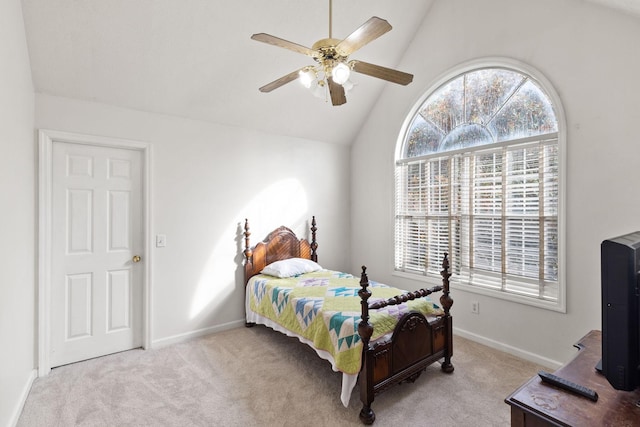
337,92
369,31
280,82
383,73
277,41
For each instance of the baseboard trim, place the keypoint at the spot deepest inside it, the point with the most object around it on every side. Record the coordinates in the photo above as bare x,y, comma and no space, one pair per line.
526,355
13,421
163,342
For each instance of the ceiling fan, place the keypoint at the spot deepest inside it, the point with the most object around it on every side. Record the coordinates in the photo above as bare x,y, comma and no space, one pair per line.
333,67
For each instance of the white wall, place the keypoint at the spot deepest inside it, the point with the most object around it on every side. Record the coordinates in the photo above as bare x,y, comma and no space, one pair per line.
17,246
590,55
207,179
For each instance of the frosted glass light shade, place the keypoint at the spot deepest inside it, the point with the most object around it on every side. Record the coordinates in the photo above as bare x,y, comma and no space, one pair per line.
319,91
306,77
340,73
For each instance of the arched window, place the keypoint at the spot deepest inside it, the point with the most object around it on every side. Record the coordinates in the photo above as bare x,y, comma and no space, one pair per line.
478,177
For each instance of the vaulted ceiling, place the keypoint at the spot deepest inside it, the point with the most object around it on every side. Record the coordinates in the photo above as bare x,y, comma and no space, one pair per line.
195,58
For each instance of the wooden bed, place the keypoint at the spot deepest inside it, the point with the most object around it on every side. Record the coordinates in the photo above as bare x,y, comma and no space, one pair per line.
416,342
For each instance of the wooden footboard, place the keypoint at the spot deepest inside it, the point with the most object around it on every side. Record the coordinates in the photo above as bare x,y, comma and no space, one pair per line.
416,343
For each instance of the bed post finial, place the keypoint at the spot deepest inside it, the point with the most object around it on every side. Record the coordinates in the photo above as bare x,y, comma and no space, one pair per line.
247,250
365,330
445,299
447,302
314,244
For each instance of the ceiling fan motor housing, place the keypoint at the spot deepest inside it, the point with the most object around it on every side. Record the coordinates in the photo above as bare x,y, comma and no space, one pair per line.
328,54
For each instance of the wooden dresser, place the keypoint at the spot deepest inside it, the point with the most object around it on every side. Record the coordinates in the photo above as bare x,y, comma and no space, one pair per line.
540,404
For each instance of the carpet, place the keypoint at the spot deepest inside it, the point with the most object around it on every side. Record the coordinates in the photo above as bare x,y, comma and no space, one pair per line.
258,377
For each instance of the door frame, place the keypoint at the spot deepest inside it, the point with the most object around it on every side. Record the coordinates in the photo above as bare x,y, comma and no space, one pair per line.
46,138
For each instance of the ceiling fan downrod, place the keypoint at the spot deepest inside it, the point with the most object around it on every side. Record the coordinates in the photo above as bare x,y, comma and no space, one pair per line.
330,16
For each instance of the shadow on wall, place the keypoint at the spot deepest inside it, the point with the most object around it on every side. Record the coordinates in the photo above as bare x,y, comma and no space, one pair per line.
282,203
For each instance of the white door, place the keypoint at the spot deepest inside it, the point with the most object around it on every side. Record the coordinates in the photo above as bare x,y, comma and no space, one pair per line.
96,275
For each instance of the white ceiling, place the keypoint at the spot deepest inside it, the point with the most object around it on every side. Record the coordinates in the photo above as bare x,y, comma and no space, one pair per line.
195,59
627,6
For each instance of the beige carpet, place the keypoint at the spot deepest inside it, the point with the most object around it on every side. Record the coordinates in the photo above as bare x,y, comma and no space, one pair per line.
258,377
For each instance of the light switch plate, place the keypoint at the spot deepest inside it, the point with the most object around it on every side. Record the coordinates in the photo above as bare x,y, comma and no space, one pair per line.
161,240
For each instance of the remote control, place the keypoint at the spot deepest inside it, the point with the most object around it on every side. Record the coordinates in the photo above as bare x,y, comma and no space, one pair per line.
568,385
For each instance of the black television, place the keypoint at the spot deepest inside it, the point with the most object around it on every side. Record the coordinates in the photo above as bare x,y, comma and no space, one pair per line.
620,271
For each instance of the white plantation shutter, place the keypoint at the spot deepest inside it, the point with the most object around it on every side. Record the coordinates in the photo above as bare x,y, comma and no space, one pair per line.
491,205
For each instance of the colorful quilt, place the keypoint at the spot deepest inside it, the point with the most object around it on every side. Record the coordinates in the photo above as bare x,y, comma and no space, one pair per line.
324,307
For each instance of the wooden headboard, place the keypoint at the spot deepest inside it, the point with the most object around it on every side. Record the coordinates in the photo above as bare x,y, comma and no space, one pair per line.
281,243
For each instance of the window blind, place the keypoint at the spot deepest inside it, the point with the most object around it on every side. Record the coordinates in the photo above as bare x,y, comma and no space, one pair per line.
494,210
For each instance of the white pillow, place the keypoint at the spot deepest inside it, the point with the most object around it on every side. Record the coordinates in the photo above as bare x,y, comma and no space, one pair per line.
291,267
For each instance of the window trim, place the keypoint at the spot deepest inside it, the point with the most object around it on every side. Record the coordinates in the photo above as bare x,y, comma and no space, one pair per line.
499,62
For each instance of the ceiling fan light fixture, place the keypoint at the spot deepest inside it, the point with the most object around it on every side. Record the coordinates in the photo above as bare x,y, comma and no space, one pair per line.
341,73
307,77
320,90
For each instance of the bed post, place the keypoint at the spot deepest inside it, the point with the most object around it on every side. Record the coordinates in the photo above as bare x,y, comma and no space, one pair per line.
365,330
314,244
447,302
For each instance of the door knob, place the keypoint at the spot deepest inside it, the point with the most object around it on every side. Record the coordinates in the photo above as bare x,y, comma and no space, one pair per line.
136,258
